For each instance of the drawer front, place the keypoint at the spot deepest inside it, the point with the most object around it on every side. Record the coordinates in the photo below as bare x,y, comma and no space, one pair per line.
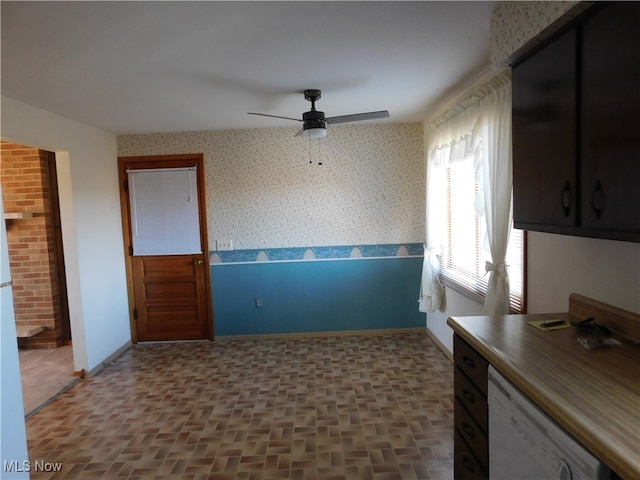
472,399
468,429
465,465
471,363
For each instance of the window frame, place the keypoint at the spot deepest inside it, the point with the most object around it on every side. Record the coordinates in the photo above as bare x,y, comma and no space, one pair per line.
478,293
473,284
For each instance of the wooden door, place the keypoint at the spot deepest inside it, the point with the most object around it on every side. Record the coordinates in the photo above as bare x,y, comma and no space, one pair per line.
169,294
58,250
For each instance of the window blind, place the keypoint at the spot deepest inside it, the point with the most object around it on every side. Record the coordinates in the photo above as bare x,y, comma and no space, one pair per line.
464,251
164,211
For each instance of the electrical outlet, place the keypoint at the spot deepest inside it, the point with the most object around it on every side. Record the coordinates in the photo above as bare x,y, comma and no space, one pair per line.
222,245
258,302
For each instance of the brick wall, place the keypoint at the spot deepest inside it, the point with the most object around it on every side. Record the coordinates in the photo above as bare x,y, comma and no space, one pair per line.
25,183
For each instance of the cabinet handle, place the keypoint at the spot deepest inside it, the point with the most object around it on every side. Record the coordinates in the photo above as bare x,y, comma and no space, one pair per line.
469,464
566,198
468,362
468,430
468,396
597,200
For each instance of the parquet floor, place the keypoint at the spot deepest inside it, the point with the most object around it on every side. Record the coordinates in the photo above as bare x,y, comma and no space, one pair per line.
331,407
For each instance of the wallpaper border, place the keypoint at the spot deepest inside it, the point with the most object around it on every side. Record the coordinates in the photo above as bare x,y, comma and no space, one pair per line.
295,254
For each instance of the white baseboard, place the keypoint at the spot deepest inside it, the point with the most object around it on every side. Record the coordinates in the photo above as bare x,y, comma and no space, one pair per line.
109,359
440,345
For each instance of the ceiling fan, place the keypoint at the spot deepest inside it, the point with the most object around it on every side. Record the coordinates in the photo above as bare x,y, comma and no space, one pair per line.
314,123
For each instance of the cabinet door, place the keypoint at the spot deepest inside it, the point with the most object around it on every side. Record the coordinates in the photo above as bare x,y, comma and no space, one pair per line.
611,127
544,136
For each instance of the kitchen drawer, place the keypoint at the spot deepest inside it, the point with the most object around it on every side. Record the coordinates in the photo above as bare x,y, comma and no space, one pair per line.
468,429
471,363
465,464
471,398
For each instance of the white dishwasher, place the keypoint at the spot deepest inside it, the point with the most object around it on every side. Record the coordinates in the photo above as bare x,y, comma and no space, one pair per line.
525,444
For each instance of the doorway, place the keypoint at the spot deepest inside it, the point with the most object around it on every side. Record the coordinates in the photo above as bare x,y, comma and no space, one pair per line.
35,244
166,245
34,238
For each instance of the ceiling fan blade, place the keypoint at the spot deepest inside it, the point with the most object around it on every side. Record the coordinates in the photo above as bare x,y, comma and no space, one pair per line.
274,116
357,117
299,134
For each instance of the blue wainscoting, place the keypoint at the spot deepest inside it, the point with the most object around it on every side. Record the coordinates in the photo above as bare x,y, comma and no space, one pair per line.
316,295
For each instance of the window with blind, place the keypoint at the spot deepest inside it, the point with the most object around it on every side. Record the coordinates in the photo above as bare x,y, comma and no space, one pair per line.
164,211
464,249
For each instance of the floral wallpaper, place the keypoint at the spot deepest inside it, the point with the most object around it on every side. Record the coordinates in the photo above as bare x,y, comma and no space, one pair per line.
360,185
521,25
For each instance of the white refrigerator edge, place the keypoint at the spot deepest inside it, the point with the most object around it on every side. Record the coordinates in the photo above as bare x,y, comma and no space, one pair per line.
14,456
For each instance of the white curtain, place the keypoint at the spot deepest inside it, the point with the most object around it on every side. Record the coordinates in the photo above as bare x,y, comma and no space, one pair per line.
445,143
497,187
482,130
431,290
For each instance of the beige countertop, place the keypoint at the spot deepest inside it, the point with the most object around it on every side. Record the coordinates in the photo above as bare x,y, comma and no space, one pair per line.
593,394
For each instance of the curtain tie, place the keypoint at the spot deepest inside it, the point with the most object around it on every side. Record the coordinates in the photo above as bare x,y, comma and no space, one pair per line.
498,267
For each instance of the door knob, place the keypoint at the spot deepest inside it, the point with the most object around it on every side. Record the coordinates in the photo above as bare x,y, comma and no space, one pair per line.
198,262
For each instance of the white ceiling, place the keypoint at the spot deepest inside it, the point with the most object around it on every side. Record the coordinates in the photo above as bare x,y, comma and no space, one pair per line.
136,67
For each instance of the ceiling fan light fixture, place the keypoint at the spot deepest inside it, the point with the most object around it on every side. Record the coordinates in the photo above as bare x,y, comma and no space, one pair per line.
314,133
314,125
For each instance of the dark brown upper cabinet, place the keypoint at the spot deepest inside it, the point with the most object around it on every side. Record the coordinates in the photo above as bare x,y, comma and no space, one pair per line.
611,119
576,132
545,135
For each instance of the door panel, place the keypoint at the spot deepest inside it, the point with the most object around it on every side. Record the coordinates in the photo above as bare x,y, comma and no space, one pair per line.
170,294
167,293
